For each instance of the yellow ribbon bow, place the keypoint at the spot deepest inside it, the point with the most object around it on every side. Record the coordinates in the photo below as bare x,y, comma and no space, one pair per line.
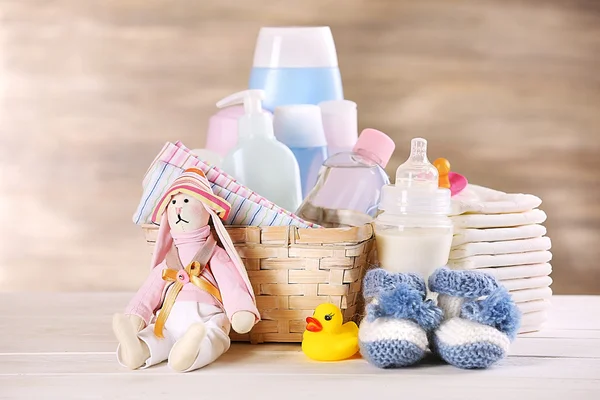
191,273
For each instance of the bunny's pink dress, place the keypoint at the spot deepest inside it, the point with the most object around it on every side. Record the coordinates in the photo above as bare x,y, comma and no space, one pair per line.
192,304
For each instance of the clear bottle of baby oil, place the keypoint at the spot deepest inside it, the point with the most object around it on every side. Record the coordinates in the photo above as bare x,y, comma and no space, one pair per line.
413,232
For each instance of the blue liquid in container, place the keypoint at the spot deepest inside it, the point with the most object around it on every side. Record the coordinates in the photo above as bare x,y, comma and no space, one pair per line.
286,86
310,160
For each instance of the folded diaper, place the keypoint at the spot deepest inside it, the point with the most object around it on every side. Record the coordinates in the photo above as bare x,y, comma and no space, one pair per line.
506,247
482,200
518,271
501,260
498,220
462,235
532,321
533,306
521,296
248,207
501,234
527,283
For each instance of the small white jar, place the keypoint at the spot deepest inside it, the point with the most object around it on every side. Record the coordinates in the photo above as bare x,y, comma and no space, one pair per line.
413,232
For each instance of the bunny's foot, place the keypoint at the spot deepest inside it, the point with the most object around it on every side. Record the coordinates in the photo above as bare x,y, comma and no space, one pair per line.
133,352
186,350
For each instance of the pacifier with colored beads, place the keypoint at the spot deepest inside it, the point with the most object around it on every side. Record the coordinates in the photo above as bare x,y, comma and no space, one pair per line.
448,179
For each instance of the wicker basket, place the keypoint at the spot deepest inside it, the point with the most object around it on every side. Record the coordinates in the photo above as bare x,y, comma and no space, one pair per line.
294,270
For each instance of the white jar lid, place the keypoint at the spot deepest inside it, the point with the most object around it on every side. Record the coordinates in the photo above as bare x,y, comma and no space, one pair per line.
299,125
340,123
295,47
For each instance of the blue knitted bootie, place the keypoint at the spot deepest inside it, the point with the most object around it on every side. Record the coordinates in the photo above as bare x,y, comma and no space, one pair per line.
480,318
394,332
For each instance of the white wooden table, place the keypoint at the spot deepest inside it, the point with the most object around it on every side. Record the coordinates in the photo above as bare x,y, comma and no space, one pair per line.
60,346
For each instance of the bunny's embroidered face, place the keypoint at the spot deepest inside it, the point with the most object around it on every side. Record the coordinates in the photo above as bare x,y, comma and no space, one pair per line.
186,213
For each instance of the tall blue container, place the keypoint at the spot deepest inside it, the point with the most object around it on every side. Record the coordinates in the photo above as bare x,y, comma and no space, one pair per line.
286,86
310,160
296,65
300,127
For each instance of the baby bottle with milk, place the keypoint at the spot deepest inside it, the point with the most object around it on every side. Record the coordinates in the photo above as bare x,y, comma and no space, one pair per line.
349,186
296,65
259,161
300,128
413,232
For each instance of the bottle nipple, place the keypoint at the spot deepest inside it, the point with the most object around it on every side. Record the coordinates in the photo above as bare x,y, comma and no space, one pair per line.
443,167
417,171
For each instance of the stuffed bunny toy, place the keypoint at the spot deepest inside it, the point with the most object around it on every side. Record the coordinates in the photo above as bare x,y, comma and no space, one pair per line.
196,290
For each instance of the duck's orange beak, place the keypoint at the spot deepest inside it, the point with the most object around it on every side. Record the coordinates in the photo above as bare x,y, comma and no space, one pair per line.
313,325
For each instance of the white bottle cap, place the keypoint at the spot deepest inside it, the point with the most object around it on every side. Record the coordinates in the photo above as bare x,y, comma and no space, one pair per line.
295,47
340,124
417,188
299,126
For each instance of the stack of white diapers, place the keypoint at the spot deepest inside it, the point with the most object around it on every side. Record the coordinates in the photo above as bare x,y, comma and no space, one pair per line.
502,234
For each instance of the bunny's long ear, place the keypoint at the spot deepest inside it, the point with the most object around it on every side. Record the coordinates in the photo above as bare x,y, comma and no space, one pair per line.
230,249
164,241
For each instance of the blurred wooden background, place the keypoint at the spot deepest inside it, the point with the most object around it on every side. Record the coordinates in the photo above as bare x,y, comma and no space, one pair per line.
508,91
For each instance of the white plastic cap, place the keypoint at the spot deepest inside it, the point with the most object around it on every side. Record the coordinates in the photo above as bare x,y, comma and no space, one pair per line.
295,47
340,124
299,125
416,190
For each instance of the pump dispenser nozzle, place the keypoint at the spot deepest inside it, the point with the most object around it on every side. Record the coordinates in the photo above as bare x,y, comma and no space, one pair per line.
254,121
417,171
251,99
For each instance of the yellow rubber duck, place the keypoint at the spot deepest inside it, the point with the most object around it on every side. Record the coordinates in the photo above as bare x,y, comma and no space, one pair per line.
326,339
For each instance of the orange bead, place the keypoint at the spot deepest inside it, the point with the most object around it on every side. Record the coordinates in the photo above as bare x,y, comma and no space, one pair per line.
443,167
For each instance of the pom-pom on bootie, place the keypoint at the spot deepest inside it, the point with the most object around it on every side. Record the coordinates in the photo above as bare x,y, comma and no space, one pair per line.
480,318
398,318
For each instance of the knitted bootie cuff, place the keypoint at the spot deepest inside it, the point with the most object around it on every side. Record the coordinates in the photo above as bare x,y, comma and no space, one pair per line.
467,284
379,280
404,302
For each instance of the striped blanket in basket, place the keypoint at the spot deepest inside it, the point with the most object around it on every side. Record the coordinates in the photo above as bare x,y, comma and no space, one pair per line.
247,207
